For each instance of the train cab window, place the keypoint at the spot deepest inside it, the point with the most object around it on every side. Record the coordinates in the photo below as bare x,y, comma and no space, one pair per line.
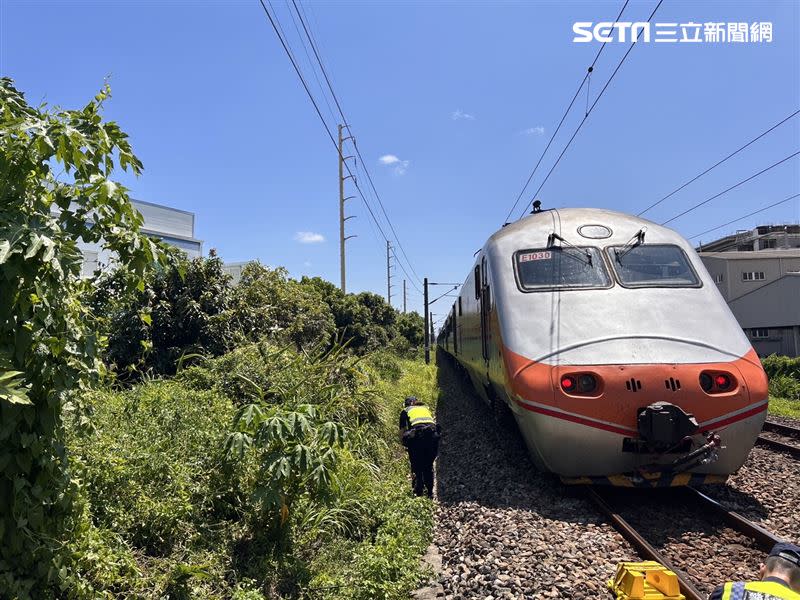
652,265
559,267
459,306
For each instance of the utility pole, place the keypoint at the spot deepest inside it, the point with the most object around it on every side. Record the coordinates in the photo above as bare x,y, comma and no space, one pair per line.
342,199
389,272
341,212
427,321
404,295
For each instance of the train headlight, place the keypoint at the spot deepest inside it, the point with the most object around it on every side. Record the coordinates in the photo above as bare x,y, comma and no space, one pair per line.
587,383
580,384
717,382
706,382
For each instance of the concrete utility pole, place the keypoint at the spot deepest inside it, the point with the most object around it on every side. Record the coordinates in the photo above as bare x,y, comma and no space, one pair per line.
404,295
342,198
427,333
341,213
388,273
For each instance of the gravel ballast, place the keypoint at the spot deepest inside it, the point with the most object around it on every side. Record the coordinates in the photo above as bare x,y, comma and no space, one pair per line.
506,531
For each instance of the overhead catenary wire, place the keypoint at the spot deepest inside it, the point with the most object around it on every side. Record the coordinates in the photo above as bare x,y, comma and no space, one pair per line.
755,212
563,117
718,163
355,145
591,108
734,186
279,33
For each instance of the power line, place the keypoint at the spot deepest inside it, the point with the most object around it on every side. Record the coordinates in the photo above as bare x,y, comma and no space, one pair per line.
566,112
311,63
755,212
743,181
586,116
279,33
286,49
731,155
358,152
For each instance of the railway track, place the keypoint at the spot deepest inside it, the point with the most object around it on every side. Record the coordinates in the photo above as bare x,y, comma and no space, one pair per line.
780,437
761,538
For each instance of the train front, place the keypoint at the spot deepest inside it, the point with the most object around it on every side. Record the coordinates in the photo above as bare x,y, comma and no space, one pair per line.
622,361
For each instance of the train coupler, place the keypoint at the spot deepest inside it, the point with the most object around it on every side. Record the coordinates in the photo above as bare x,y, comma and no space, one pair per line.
647,580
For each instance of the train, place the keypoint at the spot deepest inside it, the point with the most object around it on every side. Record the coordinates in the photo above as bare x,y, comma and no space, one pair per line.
605,338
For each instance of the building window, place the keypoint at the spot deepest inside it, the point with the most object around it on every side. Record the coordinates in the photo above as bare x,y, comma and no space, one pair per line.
718,278
759,333
752,275
768,243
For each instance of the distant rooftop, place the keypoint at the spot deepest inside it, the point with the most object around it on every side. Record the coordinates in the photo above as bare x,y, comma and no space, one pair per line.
754,254
758,239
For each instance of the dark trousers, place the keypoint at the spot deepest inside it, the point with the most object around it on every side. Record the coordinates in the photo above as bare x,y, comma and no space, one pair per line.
422,450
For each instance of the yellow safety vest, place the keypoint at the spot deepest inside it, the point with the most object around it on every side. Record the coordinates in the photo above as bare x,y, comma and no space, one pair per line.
758,590
419,415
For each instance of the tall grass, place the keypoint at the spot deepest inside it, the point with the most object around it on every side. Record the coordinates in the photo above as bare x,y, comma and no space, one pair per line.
166,512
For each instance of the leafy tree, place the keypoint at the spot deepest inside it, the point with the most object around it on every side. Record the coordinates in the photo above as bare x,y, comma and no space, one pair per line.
48,344
181,310
267,302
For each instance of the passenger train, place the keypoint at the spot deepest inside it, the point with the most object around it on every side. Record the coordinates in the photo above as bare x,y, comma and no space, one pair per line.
608,341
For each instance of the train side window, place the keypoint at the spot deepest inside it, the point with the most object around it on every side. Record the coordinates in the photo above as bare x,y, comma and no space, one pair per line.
477,281
459,306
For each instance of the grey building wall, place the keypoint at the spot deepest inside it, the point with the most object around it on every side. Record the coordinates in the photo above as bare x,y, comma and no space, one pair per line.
172,225
768,309
727,269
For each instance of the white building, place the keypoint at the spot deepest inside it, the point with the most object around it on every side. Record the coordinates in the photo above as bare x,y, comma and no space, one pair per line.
171,225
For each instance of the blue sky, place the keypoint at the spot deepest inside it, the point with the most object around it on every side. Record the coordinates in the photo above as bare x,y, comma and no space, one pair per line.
465,95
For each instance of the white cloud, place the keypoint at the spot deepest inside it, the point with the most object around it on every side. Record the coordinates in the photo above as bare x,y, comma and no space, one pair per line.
400,166
538,130
308,237
458,115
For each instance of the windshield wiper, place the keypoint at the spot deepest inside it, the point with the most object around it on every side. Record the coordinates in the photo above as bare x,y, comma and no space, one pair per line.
554,236
636,240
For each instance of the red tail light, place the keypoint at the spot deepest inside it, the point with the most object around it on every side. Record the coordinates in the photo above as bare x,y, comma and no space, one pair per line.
716,382
580,383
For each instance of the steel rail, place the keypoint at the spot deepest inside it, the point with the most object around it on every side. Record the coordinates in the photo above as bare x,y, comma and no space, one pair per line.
786,430
765,539
642,545
778,445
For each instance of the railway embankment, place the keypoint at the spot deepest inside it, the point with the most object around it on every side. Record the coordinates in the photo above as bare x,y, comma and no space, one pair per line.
505,531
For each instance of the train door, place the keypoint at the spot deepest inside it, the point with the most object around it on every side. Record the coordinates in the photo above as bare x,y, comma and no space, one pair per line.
485,307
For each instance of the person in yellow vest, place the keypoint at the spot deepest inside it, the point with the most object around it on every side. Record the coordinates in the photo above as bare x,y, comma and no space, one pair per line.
420,435
780,578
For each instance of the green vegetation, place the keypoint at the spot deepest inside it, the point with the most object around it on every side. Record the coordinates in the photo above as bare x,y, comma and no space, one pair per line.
166,434
191,309
49,346
784,385
201,488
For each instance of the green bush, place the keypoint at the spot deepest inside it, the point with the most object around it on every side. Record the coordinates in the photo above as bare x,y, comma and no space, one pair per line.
783,386
776,365
166,514
152,464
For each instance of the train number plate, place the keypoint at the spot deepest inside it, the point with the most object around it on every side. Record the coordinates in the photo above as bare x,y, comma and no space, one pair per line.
535,256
